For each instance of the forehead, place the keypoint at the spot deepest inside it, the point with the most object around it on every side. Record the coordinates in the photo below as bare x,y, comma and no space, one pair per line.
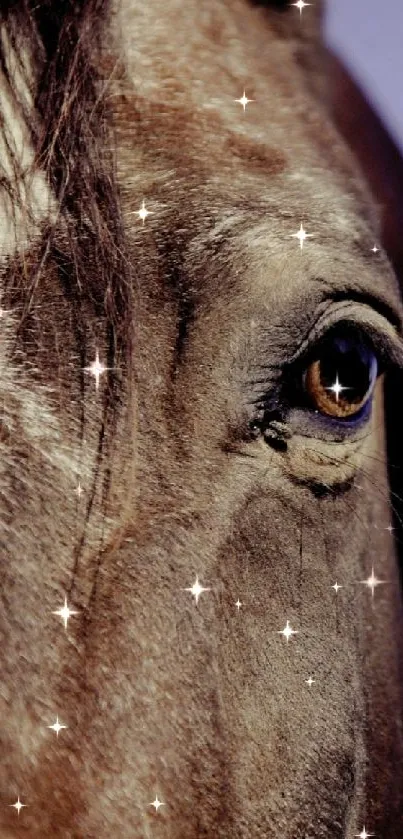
231,186
265,265
228,188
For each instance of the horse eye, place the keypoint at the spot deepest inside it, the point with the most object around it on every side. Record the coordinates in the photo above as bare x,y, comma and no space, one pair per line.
341,377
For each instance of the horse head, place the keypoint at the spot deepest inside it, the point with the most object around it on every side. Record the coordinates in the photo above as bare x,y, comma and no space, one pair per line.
201,612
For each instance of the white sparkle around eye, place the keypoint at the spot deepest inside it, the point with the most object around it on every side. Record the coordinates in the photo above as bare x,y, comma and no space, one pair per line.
364,834
287,631
65,613
375,249
300,4
337,388
96,369
301,235
390,528
310,681
336,587
57,726
143,212
372,582
196,589
18,805
79,490
238,604
244,101
157,803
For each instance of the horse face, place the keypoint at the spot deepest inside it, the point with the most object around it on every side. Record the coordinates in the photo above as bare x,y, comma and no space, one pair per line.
194,500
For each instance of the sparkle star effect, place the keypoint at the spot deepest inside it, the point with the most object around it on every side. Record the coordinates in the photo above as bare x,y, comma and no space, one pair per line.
287,631
96,369
372,582
143,212
157,804
79,490
364,834
57,726
336,587
238,604
244,101
196,589
375,249
300,4
337,388
65,613
18,805
310,681
301,235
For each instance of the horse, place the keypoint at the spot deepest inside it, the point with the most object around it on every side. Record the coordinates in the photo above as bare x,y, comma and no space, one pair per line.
201,613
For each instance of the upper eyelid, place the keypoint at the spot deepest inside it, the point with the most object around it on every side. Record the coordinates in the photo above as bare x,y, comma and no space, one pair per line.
385,337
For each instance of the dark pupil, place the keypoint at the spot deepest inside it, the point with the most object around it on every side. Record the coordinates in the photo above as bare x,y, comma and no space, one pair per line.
349,359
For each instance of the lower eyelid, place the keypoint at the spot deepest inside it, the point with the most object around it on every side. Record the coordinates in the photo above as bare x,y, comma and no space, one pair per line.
313,424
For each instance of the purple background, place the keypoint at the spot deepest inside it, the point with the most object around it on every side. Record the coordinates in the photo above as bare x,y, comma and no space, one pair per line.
367,35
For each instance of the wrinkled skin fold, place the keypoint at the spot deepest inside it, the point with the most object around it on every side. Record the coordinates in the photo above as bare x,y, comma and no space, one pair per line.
198,312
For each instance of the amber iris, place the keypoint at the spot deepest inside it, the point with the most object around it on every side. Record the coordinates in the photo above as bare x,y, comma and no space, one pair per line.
340,379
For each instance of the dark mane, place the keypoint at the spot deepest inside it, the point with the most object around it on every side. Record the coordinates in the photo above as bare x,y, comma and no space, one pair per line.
83,250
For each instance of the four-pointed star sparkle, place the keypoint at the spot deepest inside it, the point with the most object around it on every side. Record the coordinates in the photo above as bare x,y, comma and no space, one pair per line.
143,212
18,805
57,726
157,803
310,681
287,631
65,613
96,369
364,834
372,582
238,604
337,388
196,589
301,235
244,100
300,4
336,587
